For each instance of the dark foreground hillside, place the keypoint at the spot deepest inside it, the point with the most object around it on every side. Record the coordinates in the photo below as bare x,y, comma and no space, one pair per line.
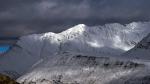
6,80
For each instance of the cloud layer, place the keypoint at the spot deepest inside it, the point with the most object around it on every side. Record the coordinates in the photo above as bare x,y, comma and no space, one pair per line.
19,17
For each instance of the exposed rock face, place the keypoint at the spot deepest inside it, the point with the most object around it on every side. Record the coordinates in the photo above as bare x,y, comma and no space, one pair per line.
145,43
141,50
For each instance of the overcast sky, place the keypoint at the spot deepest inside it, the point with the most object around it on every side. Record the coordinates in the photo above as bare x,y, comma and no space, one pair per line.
19,17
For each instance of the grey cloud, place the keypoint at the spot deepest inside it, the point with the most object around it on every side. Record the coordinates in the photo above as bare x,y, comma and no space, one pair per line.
20,17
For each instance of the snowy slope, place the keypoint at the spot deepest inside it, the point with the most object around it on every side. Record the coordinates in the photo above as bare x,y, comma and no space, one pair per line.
108,40
141,50
76,68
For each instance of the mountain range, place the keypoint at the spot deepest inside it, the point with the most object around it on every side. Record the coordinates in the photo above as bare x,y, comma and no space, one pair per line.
108,54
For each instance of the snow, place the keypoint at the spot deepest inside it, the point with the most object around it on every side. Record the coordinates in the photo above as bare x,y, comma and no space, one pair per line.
107,40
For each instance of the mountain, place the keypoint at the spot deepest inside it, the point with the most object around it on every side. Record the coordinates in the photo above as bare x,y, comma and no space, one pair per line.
141,50
77,68
105,41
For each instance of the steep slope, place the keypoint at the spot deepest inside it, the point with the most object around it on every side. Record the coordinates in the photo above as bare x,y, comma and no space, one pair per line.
107,40
141,50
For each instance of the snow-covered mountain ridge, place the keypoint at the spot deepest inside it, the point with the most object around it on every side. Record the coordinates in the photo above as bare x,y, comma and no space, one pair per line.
107,40
82,38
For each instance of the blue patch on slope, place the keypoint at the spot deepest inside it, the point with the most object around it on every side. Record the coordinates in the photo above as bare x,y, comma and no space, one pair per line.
4,48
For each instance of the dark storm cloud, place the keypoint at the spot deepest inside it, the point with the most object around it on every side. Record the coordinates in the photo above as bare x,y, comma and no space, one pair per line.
19,17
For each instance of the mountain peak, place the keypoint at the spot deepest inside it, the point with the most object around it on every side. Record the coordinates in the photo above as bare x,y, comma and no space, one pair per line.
80,28
80,25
